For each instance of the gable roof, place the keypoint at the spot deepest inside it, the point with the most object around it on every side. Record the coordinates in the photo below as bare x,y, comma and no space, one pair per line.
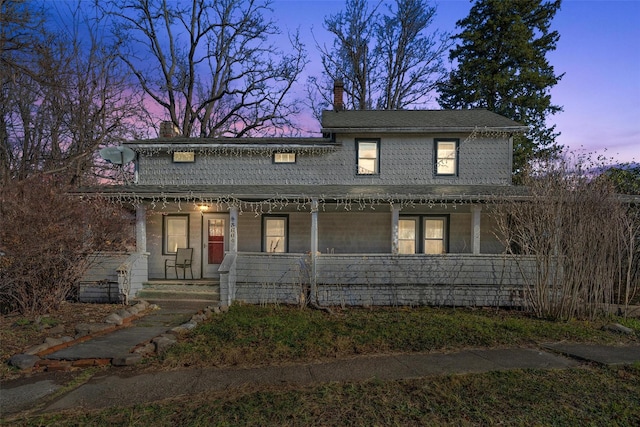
416,121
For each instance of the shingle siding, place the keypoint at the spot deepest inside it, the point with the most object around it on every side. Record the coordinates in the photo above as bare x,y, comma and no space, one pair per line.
404,160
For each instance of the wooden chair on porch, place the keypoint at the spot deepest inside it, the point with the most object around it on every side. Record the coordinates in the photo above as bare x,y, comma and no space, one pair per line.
182,260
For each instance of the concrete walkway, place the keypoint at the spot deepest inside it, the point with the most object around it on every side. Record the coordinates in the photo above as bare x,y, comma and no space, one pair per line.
122,341
112,388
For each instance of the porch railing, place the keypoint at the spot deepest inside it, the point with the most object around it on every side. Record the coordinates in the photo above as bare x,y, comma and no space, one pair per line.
383,279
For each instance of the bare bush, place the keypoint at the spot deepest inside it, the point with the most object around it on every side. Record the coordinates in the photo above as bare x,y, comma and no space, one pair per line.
46,239
581,237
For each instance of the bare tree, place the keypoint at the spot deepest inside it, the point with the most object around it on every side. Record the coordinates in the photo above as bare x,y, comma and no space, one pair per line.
576,231
413,59
352,59
64,96
211,66
385,61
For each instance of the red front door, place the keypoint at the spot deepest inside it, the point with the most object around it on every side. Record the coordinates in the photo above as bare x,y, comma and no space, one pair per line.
215,241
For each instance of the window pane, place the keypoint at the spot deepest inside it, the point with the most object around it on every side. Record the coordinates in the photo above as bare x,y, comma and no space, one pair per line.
176,226
407,247
274,244
366,166
175,242
433,247
407,229
434,228
216,227
368,150
446,150
275,227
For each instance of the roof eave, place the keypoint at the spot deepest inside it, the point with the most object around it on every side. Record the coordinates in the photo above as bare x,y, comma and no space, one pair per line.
435,129
169,146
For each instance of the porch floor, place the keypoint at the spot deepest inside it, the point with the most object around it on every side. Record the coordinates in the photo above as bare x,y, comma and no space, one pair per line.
188,282
161,291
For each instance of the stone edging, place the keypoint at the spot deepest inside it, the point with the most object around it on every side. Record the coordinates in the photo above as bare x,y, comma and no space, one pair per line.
32,356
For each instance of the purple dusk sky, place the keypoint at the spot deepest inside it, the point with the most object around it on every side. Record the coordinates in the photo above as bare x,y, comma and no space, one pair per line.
599,50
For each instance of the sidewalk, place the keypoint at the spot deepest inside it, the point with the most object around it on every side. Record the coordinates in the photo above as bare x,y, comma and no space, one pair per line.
111,389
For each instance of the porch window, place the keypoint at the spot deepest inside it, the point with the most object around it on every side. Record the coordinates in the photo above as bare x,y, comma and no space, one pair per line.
434,236
423,234
368,157
274,230
284,157
446,157
175,233
407,236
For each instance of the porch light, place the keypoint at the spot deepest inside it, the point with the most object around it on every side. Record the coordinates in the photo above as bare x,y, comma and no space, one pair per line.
203,207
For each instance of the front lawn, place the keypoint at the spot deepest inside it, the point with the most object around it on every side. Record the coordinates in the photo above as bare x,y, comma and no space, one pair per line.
254,335
574,397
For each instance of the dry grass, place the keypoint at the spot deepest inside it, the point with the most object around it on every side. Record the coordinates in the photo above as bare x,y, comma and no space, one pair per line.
581,396
252,335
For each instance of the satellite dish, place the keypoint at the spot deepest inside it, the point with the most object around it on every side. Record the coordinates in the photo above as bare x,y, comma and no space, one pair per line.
117,155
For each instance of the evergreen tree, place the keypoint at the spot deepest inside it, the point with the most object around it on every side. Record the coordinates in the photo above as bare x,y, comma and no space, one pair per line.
502,67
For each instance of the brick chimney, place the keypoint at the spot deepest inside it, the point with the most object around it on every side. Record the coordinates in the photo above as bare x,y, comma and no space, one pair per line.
338,94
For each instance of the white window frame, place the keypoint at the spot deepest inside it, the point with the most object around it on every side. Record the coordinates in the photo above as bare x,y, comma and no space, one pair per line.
446,160
361,157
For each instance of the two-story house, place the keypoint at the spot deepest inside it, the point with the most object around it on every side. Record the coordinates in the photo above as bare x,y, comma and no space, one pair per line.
388,207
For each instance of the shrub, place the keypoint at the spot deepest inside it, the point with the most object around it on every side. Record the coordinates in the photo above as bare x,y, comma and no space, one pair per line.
46,237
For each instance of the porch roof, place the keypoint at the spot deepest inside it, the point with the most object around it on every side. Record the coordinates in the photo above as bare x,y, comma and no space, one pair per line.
327,193
181,143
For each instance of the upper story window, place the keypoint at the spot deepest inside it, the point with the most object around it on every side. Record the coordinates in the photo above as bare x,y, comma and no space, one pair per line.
368,153
284,157
446,157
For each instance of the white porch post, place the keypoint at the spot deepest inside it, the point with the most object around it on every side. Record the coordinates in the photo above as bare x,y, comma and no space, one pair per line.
475,228
233,229
395,219
141,228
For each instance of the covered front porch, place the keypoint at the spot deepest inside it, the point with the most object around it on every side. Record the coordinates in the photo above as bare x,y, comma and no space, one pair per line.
338,250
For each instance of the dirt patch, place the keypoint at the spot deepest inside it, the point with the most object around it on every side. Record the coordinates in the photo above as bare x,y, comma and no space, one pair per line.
18,332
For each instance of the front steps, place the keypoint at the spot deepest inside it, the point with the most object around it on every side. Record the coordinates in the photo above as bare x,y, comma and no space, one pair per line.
163,291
